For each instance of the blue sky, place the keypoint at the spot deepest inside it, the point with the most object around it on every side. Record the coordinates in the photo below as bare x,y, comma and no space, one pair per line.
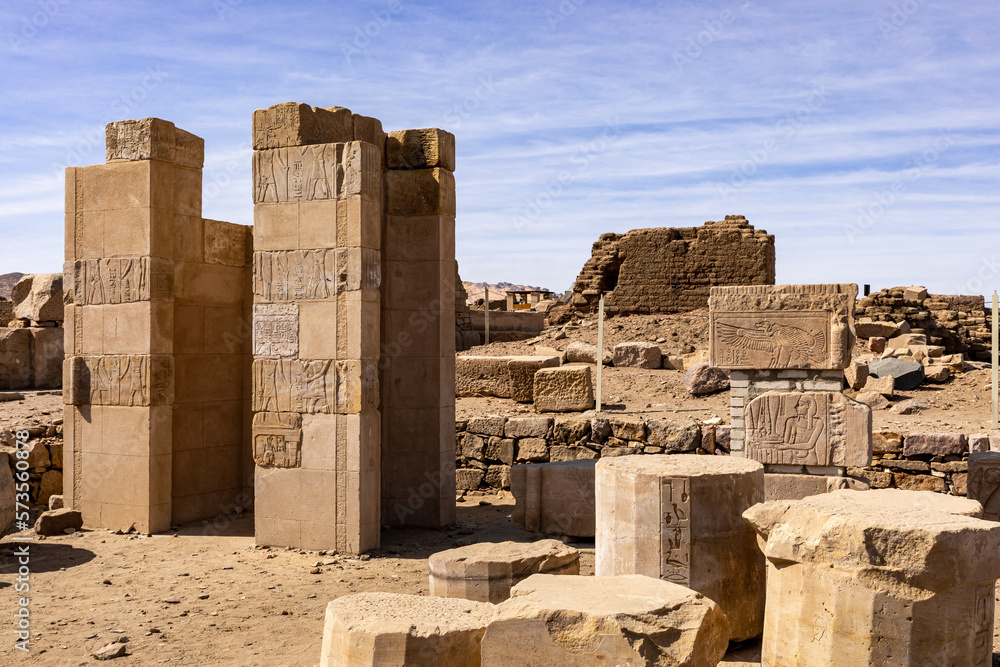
863,134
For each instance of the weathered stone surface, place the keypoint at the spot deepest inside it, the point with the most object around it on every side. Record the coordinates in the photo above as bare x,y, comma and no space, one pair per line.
528,427
571,430
55,522
692,358
468,479
627,429
586,621
936,373
782,327
673,362
671,270
907,340
7,495
503,377
873,400
563,389
500,449
420,149
570,453
522,375
703,379
820,428
910,406
39,297
294,124
532,449
935,444
678,518
856,374
15,358
910,482
498,476
983,484
394,630
581,352
51,484
674,437
907,374
795,487
152,139
555,498
486,571
876,344
875,578
876,329
492,425
637,355
47,355
917,294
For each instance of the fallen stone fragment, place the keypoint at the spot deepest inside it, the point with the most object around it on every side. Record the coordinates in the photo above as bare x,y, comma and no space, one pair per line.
581,352
563,389
856,374
486,571
908,374
910,406
54,522
395,630
10,396
113,650
637,355
880,385
584,621
873,400
703,379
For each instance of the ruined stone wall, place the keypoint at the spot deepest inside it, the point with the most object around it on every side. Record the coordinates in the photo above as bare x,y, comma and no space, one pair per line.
958,322
670,270
6,312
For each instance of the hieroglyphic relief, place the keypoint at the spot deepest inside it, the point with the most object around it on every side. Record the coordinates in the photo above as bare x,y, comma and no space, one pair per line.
307,387
287,275
983,627
984,483
277,439
298,173
126,380
138,139
121,280
793,428
791,339
675,533
276,329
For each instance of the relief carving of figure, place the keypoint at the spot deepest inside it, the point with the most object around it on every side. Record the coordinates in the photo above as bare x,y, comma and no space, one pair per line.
786,344
803,430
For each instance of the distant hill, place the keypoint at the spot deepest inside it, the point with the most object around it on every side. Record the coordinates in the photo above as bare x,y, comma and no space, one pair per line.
498,291
7,282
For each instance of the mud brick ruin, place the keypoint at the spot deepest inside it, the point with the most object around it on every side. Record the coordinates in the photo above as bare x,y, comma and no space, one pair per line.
669,270
786,347
188,337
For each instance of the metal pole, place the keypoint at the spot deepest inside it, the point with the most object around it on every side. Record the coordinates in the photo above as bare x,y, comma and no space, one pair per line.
995,354
486,299
600,348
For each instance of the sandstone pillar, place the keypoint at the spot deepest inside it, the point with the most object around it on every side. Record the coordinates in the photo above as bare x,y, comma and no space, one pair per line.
153,380
316,273
418,330
881,577
678,518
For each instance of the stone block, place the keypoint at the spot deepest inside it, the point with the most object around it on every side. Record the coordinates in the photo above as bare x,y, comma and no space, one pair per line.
570,453
935,444
55,522
47,355
420,149
487,425
873,400
703,379
884,386
678,518
532,450
673,362
627,620
528,427
877,577
563,389
580,352
627,429
876,329
907,374
15,358
153,139
917,294
928,483
51,484
395,630
983,484
522,375
554,498
674,437
500,449
420,192
571,430
482,376
937,373
856,374
876,344
293,124
782,326
786,486
485,572
39,297
7,495
819,428
498,476
907,340
468,479
637,355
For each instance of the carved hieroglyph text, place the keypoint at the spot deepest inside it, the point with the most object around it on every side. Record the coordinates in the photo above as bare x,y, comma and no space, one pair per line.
128,380
275,329
293,275
139,140
120,280
983,627
314,387
316,172
771,340
675,532
277,439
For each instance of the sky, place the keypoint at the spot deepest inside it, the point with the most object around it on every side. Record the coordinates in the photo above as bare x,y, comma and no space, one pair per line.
863,134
